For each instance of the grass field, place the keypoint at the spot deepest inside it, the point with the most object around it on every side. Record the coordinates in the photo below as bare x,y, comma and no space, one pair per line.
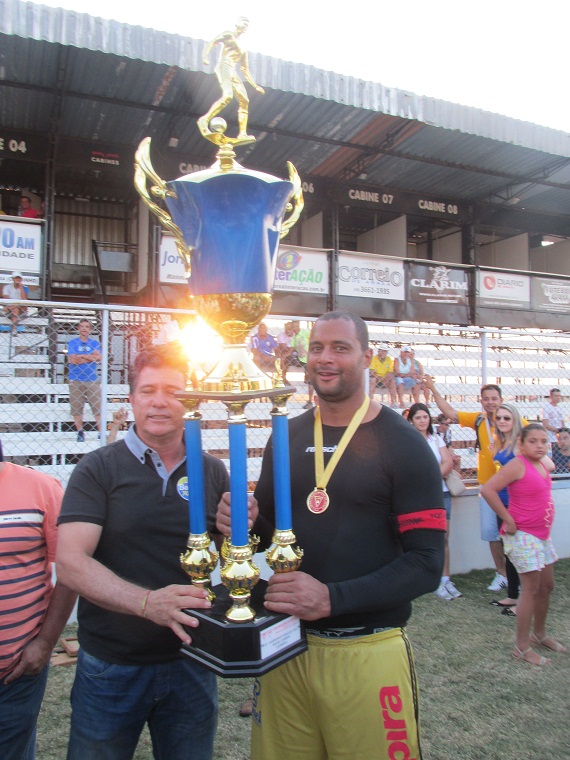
478,703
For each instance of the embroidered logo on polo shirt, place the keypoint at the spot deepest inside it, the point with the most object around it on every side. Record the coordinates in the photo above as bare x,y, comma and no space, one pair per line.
182,487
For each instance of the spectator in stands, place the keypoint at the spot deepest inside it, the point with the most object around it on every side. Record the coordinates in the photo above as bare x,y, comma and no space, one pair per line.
83,356
419,370
263,346
407,376
285,351
26,209
16,291
300,343
118,422
123,526
382,374
553,418
32,611
483,425
443,430
561,454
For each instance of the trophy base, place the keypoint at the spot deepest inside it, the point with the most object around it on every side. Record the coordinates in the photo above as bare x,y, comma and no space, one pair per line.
239,650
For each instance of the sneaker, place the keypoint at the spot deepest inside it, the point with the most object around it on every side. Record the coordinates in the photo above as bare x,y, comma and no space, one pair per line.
80,436
394,406
442,593
498,582
450,588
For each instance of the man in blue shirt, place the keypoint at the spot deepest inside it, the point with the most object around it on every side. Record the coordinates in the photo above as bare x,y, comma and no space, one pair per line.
83,355
263,346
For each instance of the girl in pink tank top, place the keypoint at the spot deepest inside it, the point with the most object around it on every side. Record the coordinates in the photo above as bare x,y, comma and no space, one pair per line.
526,538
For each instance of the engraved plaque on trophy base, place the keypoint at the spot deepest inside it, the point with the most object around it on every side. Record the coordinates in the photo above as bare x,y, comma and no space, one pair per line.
238,650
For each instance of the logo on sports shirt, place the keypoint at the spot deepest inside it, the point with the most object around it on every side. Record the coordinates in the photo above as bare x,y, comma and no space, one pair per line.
182,487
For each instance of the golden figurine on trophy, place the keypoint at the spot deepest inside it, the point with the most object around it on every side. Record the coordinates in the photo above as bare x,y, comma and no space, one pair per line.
231,57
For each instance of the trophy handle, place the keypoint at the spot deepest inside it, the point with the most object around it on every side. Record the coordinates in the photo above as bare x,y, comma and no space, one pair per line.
297,203
144,171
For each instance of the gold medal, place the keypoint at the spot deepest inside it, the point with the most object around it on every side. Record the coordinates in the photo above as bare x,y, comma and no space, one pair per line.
318,501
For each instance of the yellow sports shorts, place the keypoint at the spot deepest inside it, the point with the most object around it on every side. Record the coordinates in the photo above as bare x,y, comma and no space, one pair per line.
342,699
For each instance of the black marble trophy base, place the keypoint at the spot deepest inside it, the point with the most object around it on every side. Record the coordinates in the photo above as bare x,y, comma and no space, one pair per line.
237,650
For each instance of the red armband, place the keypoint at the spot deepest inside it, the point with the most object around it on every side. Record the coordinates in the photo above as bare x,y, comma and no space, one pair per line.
432,519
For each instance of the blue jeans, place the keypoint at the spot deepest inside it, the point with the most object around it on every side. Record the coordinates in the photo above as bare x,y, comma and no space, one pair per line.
111,704
20,704
488,519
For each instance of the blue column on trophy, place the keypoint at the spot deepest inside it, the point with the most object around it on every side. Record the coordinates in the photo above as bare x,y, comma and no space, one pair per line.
238,482
281,479
195,472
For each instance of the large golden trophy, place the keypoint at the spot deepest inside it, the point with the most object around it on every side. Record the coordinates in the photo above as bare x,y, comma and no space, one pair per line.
227,222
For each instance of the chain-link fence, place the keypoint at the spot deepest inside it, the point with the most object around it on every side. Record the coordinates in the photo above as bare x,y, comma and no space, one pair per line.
37,427
526,364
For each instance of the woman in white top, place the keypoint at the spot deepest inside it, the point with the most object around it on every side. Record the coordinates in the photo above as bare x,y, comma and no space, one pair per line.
420,418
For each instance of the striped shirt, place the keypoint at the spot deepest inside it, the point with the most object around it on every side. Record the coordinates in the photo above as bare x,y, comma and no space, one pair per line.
29,507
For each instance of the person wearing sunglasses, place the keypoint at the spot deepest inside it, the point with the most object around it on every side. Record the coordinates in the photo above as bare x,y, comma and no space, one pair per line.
508,427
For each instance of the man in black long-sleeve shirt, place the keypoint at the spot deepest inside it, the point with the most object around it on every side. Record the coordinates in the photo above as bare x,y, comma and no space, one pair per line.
372,531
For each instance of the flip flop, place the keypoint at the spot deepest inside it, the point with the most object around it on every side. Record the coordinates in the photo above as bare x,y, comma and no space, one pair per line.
508,611
519,654
496,603
553,645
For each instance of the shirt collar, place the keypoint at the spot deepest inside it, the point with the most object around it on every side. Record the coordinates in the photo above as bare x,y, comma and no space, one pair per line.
135,445
139,449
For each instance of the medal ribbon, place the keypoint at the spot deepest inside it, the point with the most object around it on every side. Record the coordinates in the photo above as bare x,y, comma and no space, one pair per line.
322,475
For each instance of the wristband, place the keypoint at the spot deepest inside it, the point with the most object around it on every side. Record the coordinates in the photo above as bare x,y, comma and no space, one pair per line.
144,602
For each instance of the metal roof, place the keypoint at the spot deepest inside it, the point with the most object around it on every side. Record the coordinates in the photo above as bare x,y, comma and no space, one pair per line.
73,76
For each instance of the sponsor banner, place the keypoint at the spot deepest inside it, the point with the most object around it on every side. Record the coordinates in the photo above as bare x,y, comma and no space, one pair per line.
551,295
501,289
171,267
20,246
437,284
302,270
27,279
371,277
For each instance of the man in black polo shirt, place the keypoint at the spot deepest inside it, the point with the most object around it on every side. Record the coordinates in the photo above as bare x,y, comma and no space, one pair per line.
123,525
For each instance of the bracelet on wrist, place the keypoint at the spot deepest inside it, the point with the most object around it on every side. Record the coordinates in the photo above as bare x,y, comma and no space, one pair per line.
144,603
